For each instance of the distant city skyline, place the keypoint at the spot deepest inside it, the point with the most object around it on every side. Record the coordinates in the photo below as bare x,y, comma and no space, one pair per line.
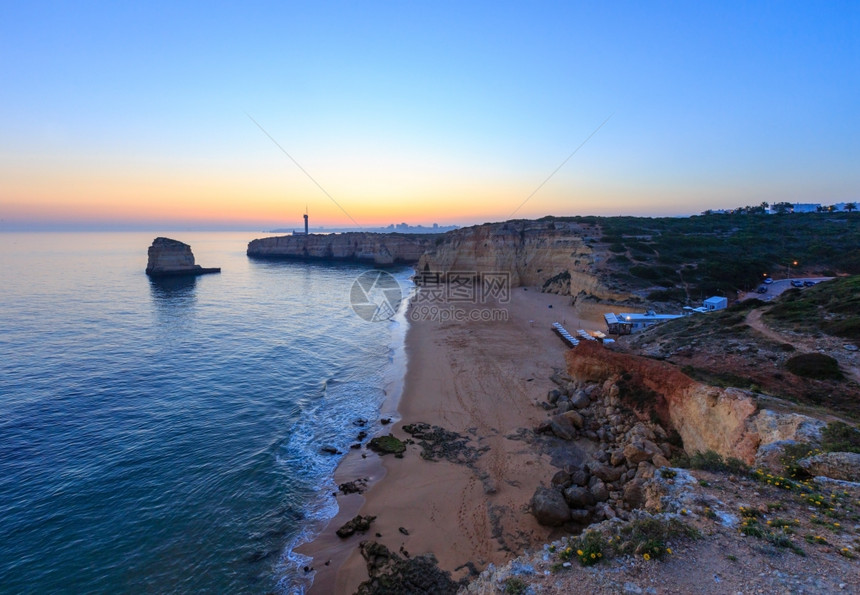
143,116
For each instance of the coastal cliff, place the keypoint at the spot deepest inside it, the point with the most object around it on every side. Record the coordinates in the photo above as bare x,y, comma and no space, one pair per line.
167,257
727,421
561,257
556,256
376,248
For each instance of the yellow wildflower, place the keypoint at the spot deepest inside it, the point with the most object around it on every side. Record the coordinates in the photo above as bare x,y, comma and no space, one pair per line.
578,552
647,556
668,550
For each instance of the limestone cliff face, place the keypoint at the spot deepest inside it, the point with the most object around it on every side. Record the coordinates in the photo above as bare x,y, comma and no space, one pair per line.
725,420
553,255
376,248
172,257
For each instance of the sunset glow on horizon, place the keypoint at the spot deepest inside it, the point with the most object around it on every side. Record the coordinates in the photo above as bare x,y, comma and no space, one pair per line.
442,113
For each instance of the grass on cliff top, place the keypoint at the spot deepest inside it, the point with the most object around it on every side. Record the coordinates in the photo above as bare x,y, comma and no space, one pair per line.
728,323
832,307
713,253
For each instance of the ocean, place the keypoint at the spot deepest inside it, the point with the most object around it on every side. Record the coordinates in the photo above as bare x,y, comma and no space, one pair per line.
165,437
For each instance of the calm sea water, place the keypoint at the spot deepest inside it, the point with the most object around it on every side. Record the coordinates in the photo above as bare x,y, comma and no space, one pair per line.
165,437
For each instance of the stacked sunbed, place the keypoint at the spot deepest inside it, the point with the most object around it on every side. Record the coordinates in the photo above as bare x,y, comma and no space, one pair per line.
584,334
568,338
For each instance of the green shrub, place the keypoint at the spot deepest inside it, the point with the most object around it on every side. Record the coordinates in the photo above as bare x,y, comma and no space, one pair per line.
712,461
840,437
848,328
515,586
645,272
814,365
668,295
791,455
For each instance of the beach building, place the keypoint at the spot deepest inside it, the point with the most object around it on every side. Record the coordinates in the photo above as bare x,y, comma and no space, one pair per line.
626,323
615,326
715,303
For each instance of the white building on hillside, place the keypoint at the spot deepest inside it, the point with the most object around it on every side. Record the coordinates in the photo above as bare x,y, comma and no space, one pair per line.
715,303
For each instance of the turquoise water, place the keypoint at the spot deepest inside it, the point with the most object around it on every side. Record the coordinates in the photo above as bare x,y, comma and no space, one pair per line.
165,437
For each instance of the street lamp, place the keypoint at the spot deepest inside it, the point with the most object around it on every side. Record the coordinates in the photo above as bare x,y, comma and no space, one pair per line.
793,262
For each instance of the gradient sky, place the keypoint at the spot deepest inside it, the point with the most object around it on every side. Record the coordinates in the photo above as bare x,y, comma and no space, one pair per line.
448,112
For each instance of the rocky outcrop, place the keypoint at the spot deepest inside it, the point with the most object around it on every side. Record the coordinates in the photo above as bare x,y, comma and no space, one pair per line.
706,417
391,573
359,524
375,248
835,465
554,255
172,258
727,421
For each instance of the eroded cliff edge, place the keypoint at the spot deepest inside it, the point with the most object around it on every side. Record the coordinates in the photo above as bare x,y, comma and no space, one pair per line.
556,256
375,248
562,257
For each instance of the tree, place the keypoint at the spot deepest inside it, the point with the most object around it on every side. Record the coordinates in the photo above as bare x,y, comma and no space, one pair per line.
783,207
850,207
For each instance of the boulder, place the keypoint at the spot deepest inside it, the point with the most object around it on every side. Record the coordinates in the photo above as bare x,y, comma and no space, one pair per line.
617,456
607,473
359,524
579,476
578,497
604,511
581,516
561,479
775,426
580,400
640,430
167,258
549,507
835,465
564,425
635,453
770,455
645,470
599,491
660,461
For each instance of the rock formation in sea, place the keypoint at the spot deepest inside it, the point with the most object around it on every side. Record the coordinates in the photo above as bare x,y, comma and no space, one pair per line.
169,257
376,248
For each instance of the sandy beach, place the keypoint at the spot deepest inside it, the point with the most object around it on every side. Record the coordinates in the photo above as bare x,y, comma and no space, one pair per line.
482,379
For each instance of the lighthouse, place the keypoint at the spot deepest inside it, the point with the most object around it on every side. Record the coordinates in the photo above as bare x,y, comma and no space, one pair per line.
306,221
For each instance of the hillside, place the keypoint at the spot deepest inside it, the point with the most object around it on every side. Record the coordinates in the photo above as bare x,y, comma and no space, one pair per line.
763,346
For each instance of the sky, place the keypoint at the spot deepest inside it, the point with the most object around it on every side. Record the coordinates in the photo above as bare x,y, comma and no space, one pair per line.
217,115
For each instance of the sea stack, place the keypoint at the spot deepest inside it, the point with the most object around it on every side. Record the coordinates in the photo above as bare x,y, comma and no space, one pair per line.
171,258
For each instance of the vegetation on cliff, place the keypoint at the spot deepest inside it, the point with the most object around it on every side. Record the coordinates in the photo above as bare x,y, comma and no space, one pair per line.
694,257
832,308
800,347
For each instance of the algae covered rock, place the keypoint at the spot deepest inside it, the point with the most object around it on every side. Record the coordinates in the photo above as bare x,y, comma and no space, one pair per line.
384,445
